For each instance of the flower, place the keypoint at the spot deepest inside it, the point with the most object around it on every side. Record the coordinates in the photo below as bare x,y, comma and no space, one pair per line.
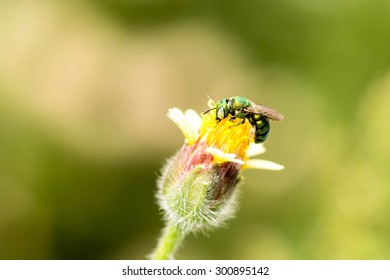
196,189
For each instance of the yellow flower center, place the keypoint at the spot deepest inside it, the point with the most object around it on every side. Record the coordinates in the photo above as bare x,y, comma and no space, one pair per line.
231,137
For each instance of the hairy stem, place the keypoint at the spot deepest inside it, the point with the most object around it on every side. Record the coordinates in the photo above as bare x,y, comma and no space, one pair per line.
168,243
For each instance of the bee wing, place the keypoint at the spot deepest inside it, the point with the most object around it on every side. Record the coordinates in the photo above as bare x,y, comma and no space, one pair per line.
267,112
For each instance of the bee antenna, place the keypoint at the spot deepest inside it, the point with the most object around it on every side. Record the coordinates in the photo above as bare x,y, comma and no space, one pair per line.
208,111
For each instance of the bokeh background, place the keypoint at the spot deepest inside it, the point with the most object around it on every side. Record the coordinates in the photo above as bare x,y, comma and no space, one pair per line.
84,91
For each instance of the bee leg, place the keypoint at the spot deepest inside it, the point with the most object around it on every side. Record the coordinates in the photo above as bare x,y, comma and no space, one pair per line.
242,122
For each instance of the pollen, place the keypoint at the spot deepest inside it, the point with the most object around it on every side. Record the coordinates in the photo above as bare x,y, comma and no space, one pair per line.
229,136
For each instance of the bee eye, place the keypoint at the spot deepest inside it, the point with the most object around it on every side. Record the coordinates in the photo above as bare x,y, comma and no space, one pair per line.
221,113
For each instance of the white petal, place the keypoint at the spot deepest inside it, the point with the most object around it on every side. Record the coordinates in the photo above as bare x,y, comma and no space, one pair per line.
211,103
222,157
262,164
194,119
175,114
255,150
188,123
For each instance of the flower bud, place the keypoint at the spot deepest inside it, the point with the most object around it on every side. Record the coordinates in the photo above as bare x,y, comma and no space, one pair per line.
196,193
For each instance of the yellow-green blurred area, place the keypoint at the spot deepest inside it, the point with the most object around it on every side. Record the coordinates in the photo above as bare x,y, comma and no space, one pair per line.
84,91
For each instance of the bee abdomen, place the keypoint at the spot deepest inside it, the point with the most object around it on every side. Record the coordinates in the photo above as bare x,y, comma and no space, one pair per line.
262,127
261,135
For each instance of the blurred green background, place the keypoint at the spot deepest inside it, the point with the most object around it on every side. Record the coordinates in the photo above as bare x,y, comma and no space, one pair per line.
84,91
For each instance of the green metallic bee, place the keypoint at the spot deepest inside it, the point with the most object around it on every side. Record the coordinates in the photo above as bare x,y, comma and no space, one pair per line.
242,108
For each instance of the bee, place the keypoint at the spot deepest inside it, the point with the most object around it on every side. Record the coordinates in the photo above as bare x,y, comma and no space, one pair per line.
242,108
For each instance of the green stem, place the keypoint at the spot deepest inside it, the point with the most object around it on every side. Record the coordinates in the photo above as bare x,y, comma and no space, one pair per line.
168,243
